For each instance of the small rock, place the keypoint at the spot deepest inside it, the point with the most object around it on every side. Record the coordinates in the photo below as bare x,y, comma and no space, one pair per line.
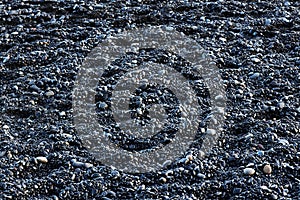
283,142
41,159
267,169
190,157
62,113
103,105
9,155
49,93
287,3
163,180
169,28
237,190
211,131
2,153
249,171
267,22
88,165
255,75
260,153
274,196
5,127
201,175
256,60
77,163
281,104
223,39
35,88
263,187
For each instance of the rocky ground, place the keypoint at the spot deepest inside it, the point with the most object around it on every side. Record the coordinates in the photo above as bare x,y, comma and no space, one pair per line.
256,46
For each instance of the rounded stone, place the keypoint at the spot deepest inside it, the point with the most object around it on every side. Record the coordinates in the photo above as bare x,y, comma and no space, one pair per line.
42,159
267,169
249,171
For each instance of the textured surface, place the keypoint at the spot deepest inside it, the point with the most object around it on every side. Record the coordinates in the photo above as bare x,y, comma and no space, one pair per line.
255,45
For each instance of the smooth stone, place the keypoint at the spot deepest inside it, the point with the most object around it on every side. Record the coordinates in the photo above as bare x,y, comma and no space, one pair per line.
267,22
255,75
237,190
162,179
201,176
281,104
267,169
5,127
249,171
77,164
41,159
211,131
88,165
49,93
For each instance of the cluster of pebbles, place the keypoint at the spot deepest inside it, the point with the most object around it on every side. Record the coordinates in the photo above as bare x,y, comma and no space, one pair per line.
256,46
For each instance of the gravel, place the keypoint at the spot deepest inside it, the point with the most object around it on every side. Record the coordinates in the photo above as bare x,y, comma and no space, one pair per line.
256,46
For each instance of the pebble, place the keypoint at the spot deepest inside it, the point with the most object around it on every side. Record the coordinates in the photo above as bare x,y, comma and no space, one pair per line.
41,159
49,93
281,104
267,22
267,169
103,105
77,163
169,28
5,127
62,113
255,75
2,153
237,190
260,153
211,131
283,142
163,180
274,196
256,60
287,3
88,165
202,176
249,171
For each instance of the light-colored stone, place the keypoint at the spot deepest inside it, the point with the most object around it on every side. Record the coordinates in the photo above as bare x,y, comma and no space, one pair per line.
249,171
49,93
267,169
42,159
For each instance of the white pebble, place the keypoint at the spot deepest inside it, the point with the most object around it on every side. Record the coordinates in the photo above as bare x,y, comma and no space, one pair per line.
249,171
41,159
63,113
281,104
5,127
169,28
49,93
256,60
201,175
88,165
